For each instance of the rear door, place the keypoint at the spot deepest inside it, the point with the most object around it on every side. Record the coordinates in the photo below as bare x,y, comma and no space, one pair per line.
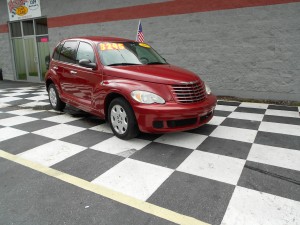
68,62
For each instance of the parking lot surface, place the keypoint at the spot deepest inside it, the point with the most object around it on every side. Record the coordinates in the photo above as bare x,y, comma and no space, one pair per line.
241,168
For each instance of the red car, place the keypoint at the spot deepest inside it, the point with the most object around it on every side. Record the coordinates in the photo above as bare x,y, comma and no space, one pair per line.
129,84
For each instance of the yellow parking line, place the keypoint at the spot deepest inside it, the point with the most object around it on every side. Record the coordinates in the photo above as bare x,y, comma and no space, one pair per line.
108,193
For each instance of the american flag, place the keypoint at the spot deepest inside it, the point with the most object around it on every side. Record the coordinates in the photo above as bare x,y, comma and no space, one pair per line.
140,35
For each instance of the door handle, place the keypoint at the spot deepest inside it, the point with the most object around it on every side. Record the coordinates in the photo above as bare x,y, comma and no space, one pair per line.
73,72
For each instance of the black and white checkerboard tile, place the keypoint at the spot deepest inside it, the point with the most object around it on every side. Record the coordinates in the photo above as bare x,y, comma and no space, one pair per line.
241,168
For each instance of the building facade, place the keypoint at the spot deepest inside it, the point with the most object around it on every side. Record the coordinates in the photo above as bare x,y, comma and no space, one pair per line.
242,48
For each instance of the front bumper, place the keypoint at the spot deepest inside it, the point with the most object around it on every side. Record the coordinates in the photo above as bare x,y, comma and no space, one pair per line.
173,117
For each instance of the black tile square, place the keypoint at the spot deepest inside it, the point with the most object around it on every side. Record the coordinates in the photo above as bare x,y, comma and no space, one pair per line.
283,107
230,103
270,179
148,137
88,164
206,129
221,113
281,119
87,122
250,110
35,125
44,114
278,140
225,147
87,138
20,102
6,115
23,143
198,197
26,95
239,123
9,108
163,155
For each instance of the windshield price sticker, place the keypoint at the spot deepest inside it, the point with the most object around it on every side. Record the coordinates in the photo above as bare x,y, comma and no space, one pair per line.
111,46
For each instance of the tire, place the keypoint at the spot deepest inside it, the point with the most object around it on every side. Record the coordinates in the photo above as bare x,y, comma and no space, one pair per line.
122,119
54,99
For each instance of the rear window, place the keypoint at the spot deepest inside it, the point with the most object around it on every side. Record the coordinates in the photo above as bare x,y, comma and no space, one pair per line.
57,51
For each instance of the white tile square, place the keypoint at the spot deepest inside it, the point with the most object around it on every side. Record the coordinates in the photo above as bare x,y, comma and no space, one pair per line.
213,166
34,104
14,94
64,118
254,105
281,157
117,146
4,105
102,128
284,113
9,99
217,120
12,121
38,98
246,116
22,112
249,207
280,128
226,108
233,133
52,153
182,139
59,131
134,178
8,133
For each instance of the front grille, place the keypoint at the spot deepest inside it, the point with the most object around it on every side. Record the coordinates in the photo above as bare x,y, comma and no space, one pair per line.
189,92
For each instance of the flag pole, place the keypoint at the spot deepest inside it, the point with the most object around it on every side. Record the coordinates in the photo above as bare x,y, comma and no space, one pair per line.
137,31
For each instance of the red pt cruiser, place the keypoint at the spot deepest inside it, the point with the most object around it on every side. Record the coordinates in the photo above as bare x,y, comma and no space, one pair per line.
129,84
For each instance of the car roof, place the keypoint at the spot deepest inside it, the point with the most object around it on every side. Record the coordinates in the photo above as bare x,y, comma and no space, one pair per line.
101,39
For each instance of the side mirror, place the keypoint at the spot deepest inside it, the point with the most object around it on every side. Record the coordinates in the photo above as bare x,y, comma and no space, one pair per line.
87,63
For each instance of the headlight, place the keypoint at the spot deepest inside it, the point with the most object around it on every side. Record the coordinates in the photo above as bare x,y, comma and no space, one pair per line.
147,97
207,88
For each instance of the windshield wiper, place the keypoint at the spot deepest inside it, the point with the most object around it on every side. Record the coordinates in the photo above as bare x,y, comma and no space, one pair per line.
151,63
123,64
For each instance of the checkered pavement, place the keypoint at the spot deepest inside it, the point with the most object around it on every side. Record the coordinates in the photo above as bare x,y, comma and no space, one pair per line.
241,168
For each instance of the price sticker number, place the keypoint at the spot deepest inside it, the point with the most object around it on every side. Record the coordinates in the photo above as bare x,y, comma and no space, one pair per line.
111,46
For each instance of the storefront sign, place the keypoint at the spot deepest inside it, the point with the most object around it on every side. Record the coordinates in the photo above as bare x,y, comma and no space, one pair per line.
23,9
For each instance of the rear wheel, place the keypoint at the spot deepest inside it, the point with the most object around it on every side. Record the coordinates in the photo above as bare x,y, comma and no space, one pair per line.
54,99
122,119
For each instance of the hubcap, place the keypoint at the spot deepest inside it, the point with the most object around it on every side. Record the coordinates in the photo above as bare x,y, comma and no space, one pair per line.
119,119
52,97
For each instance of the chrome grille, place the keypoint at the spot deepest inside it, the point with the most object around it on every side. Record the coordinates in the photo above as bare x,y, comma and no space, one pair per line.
189,92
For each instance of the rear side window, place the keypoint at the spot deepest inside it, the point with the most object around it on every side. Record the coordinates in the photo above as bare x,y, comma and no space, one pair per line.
85,51
68,52
57,52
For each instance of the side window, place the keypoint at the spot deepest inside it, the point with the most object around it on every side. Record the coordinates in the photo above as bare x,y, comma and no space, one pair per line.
68,52
57,51
85,51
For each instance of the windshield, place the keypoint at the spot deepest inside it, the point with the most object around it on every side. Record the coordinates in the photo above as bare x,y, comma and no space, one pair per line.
128,53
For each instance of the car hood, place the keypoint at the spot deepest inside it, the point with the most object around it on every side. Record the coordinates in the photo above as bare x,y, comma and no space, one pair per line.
163,74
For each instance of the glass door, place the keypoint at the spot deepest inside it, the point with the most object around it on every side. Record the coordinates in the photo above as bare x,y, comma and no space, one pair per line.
18,49
31,57
43,53
30,44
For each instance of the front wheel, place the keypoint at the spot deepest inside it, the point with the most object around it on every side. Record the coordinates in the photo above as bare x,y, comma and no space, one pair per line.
122,119
54,99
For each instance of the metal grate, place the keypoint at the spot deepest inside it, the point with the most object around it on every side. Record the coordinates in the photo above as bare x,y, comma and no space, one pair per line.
189,92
